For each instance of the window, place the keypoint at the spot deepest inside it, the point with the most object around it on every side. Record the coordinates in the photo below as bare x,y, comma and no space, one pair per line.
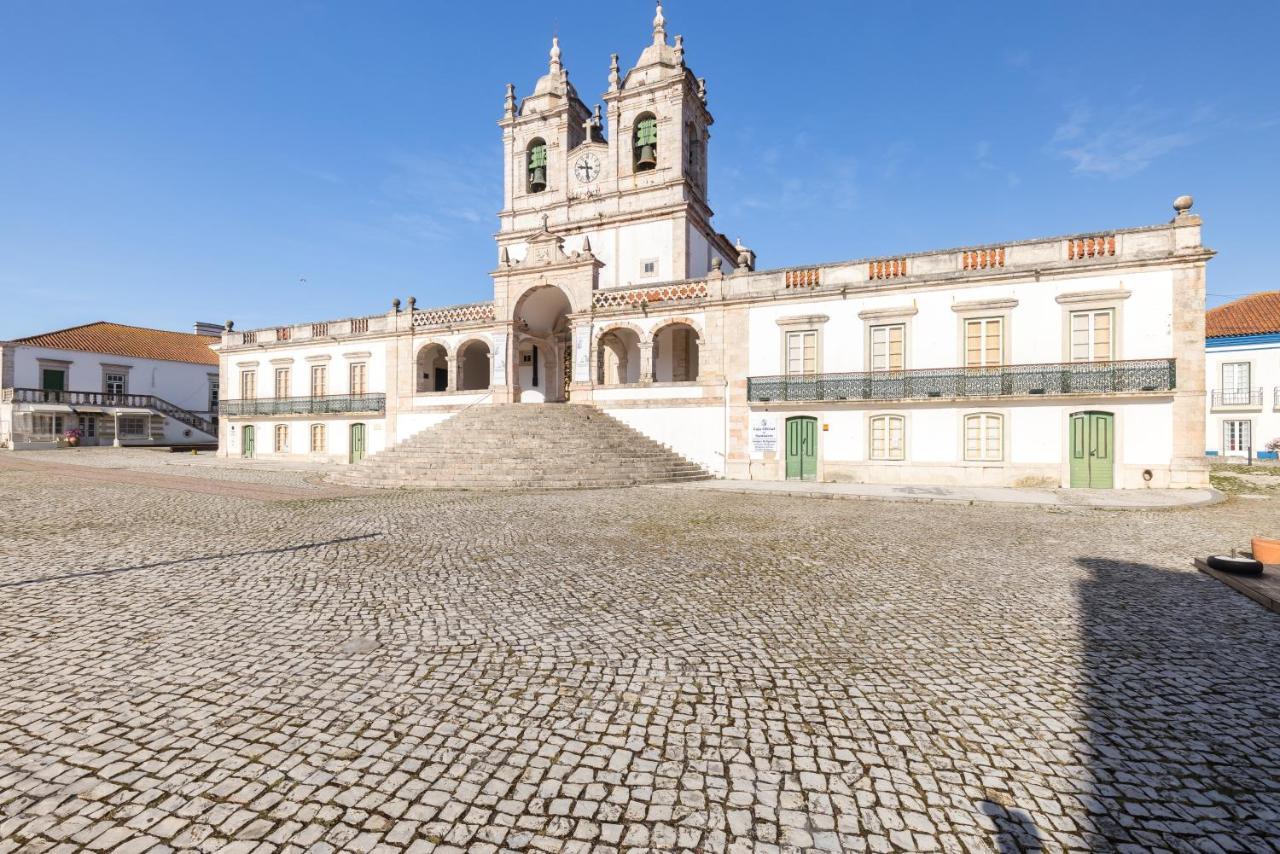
47,427
133,425
888,433
645,148
359,374
1235,383
282,382
802,352
536,157
983,342
888,344
319,380
88,426
113,383
317,438
1236,437
214,386
248,384
53,379
1092,338
649,268
282,438
984,437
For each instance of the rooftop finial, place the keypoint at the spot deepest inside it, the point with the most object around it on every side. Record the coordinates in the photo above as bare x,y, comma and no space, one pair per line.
680,49
510,106
555,54
659,26
614,77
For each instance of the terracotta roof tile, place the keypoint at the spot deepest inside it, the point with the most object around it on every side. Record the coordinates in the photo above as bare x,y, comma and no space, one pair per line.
120,340
1256,314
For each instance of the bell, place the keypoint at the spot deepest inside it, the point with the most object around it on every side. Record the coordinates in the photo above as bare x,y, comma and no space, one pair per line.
648,158
538,179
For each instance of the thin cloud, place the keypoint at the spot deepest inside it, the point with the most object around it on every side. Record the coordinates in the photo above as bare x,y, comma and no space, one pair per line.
1123,143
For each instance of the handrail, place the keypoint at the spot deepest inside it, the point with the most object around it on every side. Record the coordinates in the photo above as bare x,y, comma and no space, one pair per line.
108,399
329,404
997,381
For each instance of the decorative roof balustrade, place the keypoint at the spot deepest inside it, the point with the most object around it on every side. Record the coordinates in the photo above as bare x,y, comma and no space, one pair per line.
473,312
672,292
982,259
329,404
890,269
1080,248
1141,375
808,278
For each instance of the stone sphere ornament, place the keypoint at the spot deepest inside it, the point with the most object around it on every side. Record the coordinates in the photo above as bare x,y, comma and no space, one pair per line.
1182,204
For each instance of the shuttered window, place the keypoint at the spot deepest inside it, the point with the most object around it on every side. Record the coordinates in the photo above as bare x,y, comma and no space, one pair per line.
888,345
317,438
359,374
319,380
282,382
888,437
282,438
802,352
248,384
983,342
984,437
1093,336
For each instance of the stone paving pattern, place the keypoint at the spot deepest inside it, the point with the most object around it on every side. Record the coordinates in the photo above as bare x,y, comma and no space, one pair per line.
625,670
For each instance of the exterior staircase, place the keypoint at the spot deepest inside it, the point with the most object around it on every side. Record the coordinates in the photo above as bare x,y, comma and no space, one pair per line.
524,446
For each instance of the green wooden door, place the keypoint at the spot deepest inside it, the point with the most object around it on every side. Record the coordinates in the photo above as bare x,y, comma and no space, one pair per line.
246,441
1093,450
802,448
357,443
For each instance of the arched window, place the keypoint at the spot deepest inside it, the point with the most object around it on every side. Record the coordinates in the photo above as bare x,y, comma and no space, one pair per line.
984,437
536,157
645,151
282,439
694,145
888,437
675,354
317,438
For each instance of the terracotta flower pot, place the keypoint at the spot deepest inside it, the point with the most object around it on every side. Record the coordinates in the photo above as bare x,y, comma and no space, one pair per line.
1266,551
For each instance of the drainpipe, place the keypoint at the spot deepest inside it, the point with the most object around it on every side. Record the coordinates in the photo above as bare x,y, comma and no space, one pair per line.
115,441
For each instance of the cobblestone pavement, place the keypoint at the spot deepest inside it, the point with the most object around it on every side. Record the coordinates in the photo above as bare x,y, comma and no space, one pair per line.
640,669
206,465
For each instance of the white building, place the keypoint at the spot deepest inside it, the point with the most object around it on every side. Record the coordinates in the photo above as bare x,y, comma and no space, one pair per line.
115,384
1242,348
1070,361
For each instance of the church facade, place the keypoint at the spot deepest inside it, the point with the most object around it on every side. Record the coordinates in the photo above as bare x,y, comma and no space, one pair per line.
1065,361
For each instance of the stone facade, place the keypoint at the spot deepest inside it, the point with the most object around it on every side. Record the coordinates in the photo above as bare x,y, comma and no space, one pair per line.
1072,360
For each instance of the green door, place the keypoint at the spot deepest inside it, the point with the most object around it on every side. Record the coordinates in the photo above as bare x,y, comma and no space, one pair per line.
802,448
357,443
1093,455
246,441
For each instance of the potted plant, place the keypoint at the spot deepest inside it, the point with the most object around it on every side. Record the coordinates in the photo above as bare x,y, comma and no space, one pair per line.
72,437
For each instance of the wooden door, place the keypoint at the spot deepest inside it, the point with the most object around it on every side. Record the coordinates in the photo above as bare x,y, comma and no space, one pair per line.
1093,450
357,443
802,448
246,441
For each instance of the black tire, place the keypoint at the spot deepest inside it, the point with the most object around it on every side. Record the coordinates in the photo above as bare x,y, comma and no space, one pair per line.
1234,565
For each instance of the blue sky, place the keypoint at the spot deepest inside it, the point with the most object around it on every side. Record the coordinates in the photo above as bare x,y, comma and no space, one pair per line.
167,162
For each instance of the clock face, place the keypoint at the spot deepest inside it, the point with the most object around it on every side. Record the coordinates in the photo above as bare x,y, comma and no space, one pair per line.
587,169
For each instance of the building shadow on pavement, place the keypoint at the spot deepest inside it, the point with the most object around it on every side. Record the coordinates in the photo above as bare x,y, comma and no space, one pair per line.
1181,698
90,573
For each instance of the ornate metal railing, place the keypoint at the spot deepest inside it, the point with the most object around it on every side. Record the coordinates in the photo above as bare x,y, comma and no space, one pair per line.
1237,397
108,399
329,404
944,383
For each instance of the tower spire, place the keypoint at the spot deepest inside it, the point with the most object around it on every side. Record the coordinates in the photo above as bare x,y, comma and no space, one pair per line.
659,26
556,66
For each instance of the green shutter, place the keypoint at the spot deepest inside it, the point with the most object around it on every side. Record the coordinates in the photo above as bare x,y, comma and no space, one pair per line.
537,156
647,132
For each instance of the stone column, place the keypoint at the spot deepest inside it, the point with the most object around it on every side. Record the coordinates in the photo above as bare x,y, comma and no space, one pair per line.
646,361
455,372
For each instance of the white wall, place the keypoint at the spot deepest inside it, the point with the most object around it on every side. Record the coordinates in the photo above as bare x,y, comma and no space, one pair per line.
694,432
183,384
337,437
1264,373
338,357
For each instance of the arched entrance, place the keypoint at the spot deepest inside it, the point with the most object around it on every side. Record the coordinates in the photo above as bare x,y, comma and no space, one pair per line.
675,353
433,369
542,346
473,366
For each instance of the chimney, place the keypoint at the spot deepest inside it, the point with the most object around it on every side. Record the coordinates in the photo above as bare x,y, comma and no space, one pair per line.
211,330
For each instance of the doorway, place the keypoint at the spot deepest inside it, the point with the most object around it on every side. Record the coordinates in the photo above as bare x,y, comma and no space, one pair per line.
802,448
246,441
357,444
1092,450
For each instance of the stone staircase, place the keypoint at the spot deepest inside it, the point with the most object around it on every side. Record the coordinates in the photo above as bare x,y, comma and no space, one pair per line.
529,446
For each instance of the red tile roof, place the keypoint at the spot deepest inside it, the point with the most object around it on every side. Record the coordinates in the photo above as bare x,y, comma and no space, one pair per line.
117,339
1256,314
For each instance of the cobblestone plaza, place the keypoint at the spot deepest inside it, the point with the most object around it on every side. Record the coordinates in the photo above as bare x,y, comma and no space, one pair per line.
623,670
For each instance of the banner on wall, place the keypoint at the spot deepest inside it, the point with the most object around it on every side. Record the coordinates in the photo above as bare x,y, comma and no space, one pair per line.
764,435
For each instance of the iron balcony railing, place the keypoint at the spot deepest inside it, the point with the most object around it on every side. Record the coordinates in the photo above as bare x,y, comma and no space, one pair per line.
1237,397
329,404
1000,381
111,399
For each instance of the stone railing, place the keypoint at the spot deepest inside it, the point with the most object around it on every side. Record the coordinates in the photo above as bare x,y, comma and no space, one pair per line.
890,269
1080,248
108,400
310,331
695,289
1143,375
982,259
481,312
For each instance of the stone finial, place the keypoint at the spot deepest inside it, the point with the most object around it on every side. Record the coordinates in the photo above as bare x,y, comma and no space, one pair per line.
746,258
395,304
504,257
680,50
556,65
509,109
659,26
716,263
1183,204
586,244
615,78
413,302
702,89
231,324
545,219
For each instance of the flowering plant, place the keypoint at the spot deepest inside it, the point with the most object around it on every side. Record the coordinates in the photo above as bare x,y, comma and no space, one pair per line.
73,435
1274,444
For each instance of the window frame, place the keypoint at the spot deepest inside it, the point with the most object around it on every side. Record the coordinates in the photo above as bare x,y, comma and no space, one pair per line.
278,445
248,390
323,445
142,420
1246,435
1092,313
319,372
285,373
888,342
1001,322
887,419
362,369
983,454
803,324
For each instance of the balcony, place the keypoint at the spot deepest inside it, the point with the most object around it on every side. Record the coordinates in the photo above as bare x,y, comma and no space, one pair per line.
329,404
107,400
1066,378
1236,398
